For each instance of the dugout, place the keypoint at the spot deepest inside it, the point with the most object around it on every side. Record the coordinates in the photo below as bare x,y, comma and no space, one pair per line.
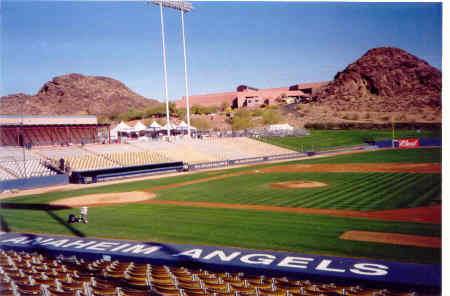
94,176
51,130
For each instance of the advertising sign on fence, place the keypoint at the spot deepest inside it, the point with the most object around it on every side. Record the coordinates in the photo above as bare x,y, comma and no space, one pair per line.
408,143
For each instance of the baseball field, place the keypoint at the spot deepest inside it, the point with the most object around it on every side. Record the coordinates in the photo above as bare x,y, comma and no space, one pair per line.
383,204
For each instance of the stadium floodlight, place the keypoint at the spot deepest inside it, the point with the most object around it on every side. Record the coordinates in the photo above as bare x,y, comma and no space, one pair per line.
160,3
185,74
183,7
178,5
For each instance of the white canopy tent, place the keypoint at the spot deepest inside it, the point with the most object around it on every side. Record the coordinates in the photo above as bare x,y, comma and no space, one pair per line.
182,126
154,127
170,126
124,128
280,127
139,126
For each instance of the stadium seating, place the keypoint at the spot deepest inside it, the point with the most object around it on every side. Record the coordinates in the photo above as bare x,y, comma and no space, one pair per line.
23,273
89,162
102,156
25,169
137,158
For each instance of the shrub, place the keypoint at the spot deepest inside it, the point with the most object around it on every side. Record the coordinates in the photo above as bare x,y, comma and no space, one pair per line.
201,123
257,112
271,117
224,106
241,123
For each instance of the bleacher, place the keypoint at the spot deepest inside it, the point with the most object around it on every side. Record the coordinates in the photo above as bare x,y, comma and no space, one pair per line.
27,169
57,153
91,157
17,163
137,158
6,175
89,162
37,273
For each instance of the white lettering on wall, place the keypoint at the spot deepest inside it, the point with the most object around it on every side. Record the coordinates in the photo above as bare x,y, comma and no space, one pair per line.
16,240
101,246
370,269
194,253
120,247
56,243
222,256
295,262
324,265
78,244
264,259
138,249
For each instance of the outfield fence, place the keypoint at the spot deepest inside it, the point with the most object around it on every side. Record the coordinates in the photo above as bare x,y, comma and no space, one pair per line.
261,159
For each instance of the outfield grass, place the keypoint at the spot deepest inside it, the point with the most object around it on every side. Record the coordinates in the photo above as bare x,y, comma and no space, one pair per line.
314,234
309,234
349,191
335,138
422,155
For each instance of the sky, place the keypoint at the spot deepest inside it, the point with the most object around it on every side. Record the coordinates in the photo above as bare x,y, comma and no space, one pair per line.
261,44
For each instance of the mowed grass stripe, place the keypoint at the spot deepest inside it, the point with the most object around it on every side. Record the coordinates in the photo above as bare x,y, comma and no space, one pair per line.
432,188
387,193
344,196
386,182
429,195
365,191
391,197
341,193
324,193
372,193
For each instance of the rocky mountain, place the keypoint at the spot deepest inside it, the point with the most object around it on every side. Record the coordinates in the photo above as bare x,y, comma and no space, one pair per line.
385,79
76,94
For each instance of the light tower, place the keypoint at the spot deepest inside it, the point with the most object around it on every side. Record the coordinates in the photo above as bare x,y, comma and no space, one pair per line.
183,7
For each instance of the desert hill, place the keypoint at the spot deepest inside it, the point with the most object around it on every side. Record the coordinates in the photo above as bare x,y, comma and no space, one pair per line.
385,79
76,94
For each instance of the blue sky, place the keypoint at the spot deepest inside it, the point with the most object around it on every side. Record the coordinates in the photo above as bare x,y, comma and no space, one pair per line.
263,44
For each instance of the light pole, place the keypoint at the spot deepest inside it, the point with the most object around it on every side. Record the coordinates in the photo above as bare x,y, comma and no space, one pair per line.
182,7
185,76
165,70
23,138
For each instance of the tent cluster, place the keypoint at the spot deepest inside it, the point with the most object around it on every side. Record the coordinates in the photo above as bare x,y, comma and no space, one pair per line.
139,129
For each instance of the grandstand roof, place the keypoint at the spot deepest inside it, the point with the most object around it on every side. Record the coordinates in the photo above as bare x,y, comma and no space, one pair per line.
47,120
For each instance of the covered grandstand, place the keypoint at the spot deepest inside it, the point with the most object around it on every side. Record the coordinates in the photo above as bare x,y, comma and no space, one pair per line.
51,130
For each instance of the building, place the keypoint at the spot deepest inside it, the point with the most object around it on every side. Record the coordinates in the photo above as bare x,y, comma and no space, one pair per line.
247,96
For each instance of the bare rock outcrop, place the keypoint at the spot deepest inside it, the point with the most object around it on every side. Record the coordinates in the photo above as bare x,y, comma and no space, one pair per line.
385,79
76,94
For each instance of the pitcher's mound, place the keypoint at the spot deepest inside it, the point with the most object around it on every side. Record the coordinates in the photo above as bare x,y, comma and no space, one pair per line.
298,184
104,199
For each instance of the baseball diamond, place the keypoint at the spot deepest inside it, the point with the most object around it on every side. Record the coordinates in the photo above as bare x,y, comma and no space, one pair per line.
378,217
